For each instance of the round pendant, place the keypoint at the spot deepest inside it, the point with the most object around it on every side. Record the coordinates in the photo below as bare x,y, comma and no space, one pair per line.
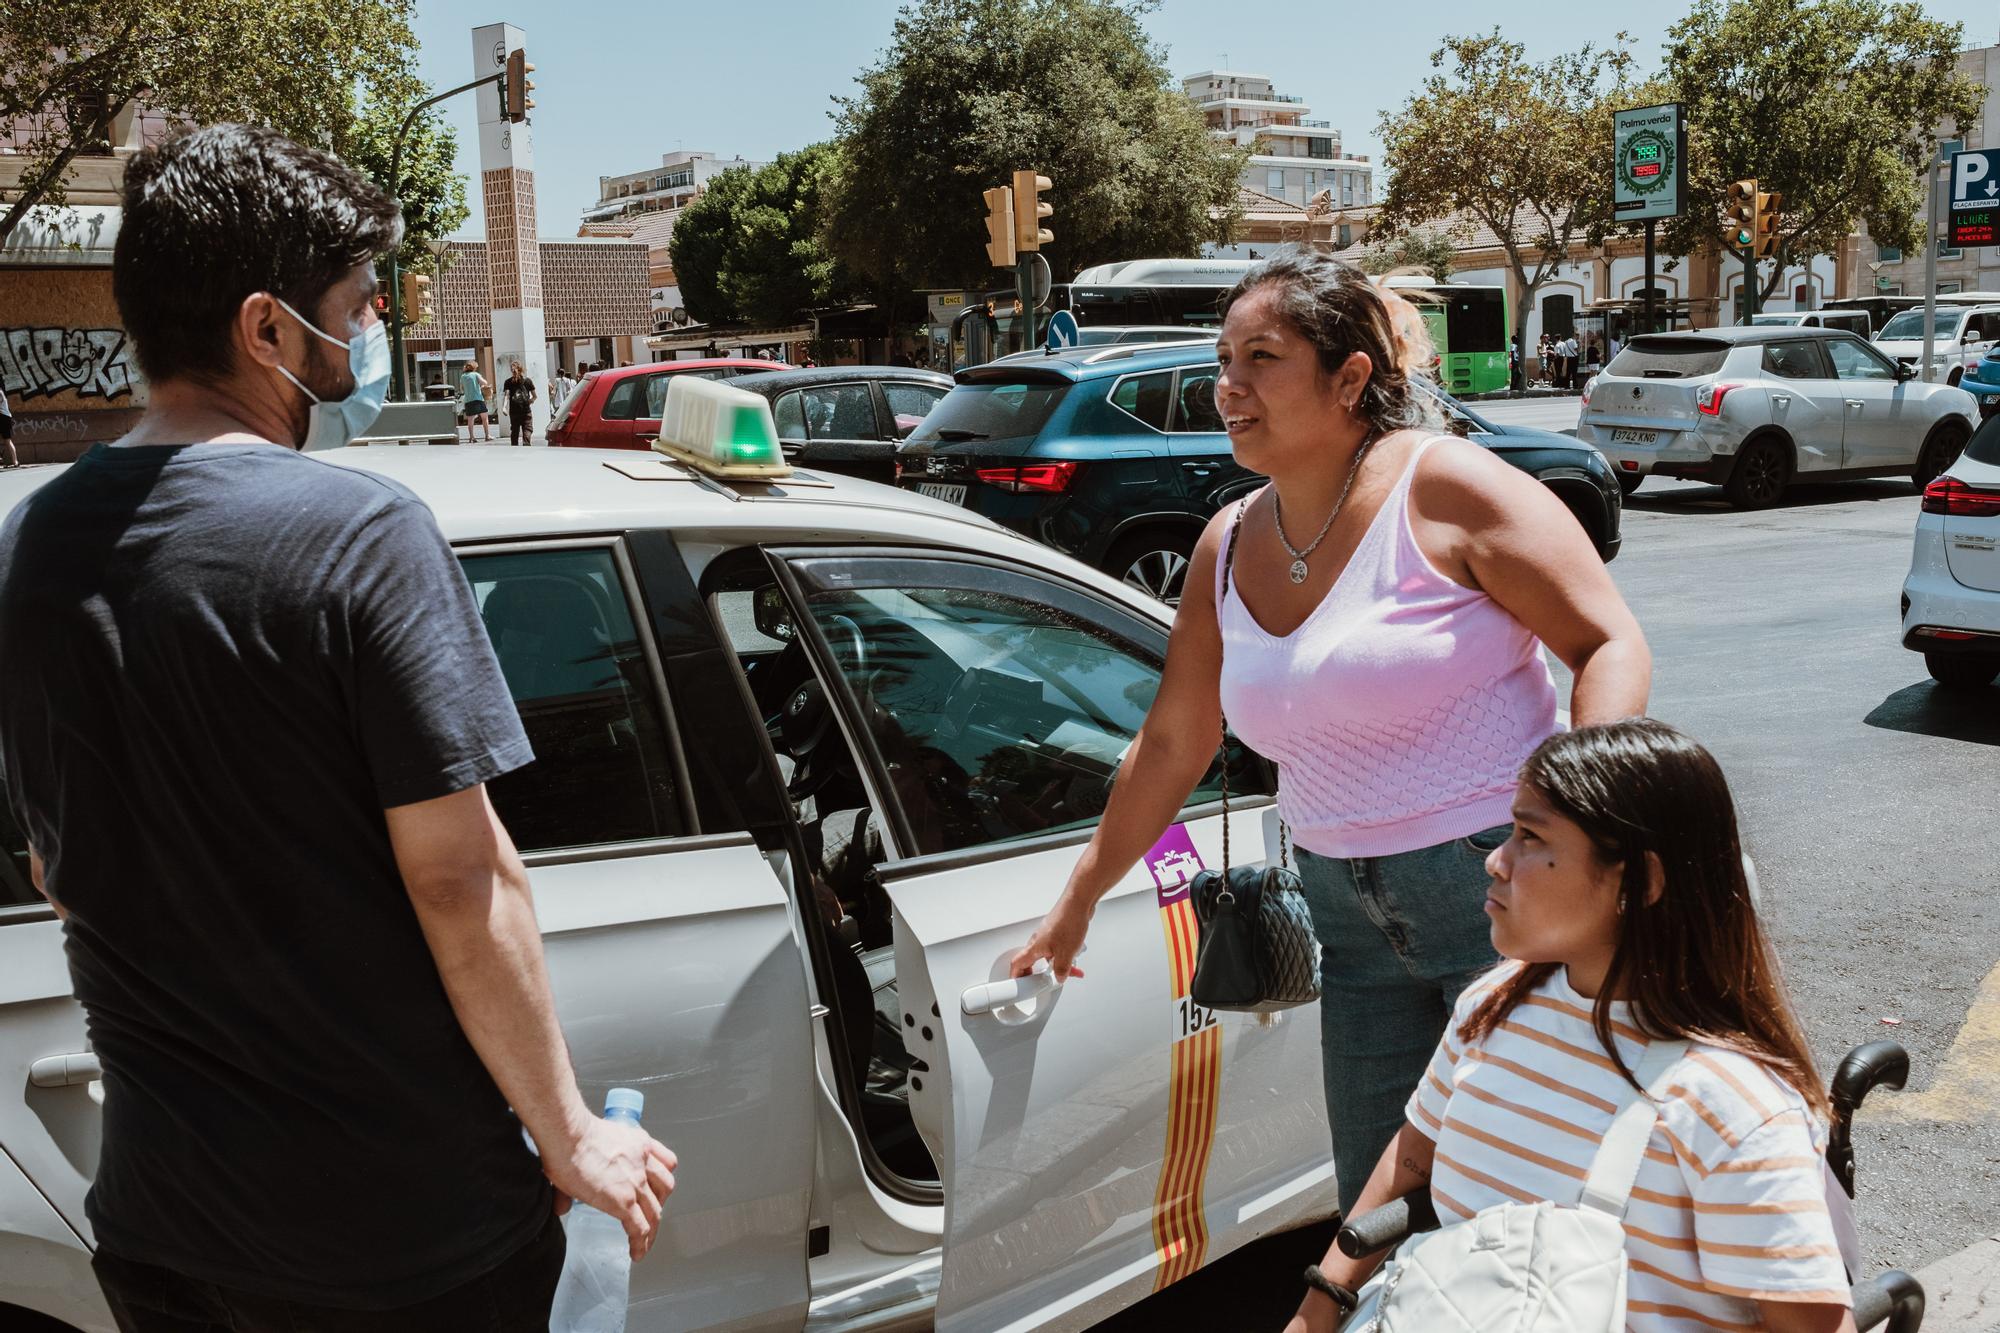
1298,571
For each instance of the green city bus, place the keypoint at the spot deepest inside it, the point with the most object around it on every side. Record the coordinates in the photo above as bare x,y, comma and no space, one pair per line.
1469,325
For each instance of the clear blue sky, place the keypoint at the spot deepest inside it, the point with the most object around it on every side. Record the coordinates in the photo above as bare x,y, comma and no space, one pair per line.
619,82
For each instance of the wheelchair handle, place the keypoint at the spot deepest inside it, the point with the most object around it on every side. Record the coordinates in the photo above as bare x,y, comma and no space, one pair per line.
1877,1064
1379,1228
1892,1299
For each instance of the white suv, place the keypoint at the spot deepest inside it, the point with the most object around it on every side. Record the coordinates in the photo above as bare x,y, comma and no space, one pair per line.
1756,408
1962,336
1951,600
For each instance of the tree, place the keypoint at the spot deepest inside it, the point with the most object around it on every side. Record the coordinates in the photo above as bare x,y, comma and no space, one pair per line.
1521,148
970,91
74,66
1833,103
430,190
1432,251
750,250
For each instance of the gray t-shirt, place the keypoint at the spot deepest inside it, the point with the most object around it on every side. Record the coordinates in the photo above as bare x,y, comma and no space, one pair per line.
219,664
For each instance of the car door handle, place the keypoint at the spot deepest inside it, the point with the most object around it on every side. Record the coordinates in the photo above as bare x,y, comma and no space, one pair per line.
1854,403
984,999
1201,469
1782,399
63,1071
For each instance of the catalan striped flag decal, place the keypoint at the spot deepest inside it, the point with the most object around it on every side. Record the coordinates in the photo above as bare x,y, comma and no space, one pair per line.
1180,1231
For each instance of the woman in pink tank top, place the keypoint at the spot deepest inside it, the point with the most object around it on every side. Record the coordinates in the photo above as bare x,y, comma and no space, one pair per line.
1372,621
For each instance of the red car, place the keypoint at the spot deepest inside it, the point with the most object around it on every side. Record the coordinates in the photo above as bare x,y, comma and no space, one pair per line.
620,409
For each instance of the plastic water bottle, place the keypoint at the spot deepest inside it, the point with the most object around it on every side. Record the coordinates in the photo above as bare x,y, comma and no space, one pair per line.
596,1281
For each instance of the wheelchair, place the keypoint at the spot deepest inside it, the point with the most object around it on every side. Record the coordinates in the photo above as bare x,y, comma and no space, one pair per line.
1892,1300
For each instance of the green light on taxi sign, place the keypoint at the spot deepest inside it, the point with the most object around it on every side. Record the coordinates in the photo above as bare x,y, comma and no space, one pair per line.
720,430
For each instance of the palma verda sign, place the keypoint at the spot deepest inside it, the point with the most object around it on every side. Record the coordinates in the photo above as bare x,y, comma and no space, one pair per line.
1649,163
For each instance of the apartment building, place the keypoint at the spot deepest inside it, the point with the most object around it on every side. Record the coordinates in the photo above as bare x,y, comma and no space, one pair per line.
1294,157
669,187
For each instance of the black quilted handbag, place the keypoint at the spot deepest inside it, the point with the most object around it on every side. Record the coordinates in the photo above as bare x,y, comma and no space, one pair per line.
1258,952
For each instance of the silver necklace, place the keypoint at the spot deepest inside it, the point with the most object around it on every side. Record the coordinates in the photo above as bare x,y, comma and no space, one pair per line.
1299,570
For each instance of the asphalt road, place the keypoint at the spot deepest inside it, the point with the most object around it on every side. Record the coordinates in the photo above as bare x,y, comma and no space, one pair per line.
1867,799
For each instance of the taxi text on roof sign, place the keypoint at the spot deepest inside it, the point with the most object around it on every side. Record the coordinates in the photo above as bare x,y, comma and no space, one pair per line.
719,430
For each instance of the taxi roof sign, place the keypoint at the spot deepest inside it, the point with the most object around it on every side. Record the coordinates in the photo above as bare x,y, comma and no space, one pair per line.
719,430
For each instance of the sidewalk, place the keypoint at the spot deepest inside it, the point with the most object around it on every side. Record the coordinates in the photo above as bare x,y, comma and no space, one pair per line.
1962,1291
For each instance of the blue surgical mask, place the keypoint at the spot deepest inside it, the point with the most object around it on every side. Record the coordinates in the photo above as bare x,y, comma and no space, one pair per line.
335,424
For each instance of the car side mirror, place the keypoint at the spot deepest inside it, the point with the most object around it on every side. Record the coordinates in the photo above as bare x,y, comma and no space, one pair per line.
773,614
1905,371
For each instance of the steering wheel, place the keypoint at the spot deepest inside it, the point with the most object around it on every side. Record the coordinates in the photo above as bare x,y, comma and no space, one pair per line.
842,631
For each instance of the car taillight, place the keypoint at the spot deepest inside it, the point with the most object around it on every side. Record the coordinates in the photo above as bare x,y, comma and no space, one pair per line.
1588,385
1049,477
1708,398
1949,495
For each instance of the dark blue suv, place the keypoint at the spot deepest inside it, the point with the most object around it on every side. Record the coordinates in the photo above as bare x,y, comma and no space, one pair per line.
1116,455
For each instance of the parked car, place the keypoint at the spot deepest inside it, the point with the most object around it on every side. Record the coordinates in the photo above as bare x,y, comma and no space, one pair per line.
808,760
1962,335
1754,409
1982,381
1853,321
620,408
1117,456
1951,600
848,418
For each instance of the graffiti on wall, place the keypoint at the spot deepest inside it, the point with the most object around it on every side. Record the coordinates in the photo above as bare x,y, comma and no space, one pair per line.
90,363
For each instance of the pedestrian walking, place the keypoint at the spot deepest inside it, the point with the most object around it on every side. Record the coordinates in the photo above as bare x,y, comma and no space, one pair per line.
7,431
1621,904
1545,353
520,392
472,391
1373,620
1569,362
249,708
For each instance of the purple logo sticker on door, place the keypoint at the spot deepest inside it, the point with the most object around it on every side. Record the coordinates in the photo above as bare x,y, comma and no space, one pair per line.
1174,863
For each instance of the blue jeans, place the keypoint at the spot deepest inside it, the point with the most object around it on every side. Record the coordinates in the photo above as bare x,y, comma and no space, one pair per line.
1400,936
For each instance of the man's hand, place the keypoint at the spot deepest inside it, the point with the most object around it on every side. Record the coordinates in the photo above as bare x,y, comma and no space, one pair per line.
621,1171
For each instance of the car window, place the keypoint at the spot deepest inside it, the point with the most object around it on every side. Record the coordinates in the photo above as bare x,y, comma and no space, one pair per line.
1793,361
1194,406
909,404
789,416
656,394
1985,444
1853,360
1145,397
840,412
603,770
1659,356
1001,709
1910,324
991,412
625,398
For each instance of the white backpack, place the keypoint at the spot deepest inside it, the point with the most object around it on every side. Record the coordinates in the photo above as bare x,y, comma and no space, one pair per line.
1528,1267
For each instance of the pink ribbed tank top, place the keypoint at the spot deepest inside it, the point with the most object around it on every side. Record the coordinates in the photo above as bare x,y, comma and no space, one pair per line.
1400,712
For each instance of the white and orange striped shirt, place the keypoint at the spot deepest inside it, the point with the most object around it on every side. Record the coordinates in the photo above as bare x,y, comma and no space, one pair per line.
1730,1205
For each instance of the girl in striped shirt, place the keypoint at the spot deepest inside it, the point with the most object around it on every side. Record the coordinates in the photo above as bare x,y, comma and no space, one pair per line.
1621,906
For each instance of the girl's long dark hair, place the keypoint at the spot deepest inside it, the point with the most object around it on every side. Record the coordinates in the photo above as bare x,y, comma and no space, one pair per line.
1696,964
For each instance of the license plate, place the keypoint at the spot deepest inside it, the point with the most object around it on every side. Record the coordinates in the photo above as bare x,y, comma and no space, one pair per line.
1634,436
937,490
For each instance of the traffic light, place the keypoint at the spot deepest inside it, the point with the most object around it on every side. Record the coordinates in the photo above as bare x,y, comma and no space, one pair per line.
1767,223
1742,205
1000,227
417,308
1029,210
515,104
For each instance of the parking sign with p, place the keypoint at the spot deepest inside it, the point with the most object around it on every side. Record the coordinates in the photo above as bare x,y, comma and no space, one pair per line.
1975,198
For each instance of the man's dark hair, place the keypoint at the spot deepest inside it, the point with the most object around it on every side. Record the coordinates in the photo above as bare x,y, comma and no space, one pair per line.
225,211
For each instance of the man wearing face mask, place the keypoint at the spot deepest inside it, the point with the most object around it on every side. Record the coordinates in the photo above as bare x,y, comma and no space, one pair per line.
249,710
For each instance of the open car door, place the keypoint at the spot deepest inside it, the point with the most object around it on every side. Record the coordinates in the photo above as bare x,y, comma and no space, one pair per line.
1105,1137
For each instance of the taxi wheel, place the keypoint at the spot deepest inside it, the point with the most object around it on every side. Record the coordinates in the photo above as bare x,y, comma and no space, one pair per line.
1763,470
1962,671
1940,451
1154,562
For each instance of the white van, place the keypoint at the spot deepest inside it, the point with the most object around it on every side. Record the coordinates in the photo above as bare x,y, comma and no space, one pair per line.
1854,321
1961,338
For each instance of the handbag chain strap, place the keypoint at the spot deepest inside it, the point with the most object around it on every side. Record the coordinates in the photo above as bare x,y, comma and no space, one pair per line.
1228,564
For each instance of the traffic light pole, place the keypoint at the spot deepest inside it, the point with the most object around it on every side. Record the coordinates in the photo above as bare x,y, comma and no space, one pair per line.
400,381
1749,283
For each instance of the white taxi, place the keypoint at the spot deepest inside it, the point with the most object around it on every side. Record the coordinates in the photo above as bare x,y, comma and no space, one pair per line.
1951,599
813,757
